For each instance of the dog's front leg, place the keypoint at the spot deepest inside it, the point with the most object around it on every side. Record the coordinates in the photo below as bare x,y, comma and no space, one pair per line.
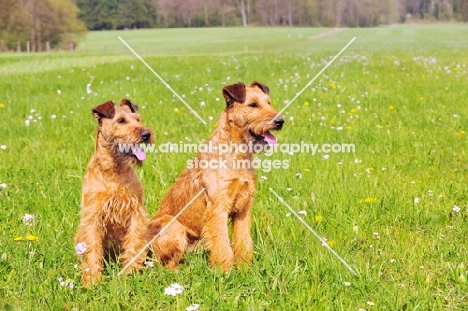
242,241
134,251
89,246
216,236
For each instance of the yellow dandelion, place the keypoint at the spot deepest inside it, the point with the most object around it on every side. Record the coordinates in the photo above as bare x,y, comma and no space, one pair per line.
306,170
18,238
348,127
33,238
333,85
332,122
371,169
370,200
391,107
331,243
176,110
306,103
423,76
392,75
462,132
2,105
421,98
455,69
318,218
354,110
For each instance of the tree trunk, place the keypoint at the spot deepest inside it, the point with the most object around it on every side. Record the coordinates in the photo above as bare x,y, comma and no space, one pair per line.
207,21
241,4
276,12
248,12
263,13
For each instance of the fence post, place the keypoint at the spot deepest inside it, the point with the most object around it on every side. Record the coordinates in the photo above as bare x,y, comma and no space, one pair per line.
18,47
27,46
71,46
47,44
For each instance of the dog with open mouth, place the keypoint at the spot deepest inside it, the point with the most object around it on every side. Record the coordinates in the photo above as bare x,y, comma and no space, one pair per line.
113,218
227,178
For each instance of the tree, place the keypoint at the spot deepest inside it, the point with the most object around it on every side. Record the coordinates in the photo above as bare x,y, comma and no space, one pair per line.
117,14
13,29
243,6
135,14
52,21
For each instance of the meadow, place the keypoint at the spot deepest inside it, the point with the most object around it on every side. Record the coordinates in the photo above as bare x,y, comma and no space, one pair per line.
396,209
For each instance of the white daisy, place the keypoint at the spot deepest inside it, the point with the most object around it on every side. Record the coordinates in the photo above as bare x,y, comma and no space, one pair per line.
193,307
174,290
28,219
81,248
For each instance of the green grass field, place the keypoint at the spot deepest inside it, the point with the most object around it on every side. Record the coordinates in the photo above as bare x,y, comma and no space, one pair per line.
396,210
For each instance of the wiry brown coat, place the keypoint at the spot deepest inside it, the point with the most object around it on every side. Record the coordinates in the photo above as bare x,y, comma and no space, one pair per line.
228,191
113,217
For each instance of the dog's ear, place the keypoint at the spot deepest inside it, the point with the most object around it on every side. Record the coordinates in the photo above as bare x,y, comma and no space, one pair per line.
106,110
126,102
234,93
263,87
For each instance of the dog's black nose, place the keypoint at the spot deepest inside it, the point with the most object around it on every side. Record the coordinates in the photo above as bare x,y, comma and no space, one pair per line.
279,122
145,135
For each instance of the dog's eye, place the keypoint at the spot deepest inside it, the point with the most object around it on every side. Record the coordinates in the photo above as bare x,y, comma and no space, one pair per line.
121,120
253,105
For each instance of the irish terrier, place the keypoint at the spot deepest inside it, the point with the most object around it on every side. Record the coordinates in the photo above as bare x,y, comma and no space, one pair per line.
228,180
113,218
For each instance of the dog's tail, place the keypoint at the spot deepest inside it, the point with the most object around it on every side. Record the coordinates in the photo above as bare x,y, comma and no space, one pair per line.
170,239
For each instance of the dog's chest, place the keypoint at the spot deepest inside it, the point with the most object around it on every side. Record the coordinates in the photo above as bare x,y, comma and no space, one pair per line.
118,208
121,201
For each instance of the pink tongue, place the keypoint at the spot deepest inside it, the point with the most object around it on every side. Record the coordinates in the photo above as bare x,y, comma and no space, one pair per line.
139,153
270,139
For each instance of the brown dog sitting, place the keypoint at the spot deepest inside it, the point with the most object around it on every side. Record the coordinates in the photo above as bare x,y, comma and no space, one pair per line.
227,178
113,218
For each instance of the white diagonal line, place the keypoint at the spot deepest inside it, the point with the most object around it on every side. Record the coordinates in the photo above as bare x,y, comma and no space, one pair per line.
313,79
324,243
162,230
162,80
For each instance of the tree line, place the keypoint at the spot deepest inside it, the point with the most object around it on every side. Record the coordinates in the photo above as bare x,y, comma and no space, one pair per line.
43,24
117,14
